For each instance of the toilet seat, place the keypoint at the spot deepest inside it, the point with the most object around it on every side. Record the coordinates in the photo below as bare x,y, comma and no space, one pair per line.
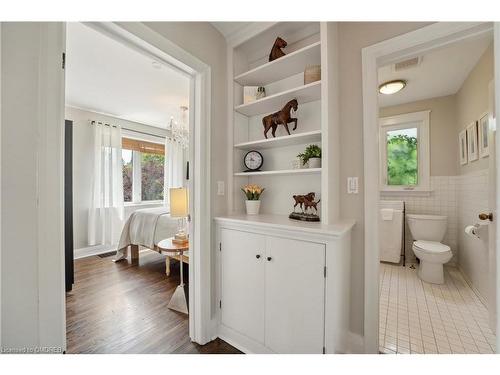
431,247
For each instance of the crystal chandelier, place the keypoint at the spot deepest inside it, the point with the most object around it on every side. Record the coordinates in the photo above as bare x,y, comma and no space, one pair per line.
180,131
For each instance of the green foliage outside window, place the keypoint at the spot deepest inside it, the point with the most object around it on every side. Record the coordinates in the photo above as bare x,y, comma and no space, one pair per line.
152,166
402,159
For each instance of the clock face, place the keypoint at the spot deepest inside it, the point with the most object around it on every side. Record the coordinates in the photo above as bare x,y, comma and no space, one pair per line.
253,160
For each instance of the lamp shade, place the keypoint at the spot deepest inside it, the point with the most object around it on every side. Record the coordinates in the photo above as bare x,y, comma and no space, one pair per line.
178,202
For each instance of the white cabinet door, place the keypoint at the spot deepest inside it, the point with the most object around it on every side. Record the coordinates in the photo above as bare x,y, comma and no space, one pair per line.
242,283
295,296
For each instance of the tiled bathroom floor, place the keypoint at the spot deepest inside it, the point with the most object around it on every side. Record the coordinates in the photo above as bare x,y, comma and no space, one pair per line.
418,317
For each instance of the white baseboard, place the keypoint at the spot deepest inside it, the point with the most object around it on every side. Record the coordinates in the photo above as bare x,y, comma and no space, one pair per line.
471,285
93,250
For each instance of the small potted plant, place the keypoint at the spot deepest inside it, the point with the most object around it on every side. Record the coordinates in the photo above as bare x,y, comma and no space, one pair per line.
311,156
252,193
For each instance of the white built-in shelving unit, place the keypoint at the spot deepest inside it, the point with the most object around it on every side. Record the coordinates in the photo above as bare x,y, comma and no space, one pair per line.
257,257
283,80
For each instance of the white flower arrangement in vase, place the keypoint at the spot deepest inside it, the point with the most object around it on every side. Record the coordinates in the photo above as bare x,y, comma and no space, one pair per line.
252,193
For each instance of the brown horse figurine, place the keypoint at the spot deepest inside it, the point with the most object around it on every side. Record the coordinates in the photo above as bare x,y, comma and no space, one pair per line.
301,199
282,117
276,51
311,204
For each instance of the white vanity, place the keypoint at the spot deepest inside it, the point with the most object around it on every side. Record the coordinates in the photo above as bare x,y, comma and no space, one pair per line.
283,286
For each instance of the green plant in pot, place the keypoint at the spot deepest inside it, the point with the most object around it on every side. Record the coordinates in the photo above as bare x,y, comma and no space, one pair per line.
311,156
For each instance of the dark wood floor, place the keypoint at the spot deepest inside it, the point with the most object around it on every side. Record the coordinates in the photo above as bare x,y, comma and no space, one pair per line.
122,308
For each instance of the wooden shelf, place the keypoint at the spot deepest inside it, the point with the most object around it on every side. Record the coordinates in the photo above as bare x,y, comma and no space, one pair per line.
284,67
286,140
280,172
303,94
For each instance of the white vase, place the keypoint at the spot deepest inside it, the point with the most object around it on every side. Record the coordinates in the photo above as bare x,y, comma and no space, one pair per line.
314,162
252,207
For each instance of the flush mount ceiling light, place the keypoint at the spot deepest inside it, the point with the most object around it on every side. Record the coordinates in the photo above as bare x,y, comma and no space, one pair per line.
392,87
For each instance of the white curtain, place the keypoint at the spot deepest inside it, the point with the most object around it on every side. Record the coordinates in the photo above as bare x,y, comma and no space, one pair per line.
106,207
174,167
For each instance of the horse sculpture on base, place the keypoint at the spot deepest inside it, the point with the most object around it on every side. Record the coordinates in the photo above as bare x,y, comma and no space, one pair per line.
306,203
301,199
282,117
276,51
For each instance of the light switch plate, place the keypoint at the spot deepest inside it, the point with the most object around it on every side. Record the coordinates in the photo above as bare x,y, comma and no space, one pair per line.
220,188
352,185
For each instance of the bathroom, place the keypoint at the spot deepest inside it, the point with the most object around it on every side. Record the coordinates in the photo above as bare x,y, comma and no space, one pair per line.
436,281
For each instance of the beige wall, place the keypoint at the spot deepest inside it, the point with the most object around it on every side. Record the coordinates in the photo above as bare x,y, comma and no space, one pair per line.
203,41
443,147
472,102
353,36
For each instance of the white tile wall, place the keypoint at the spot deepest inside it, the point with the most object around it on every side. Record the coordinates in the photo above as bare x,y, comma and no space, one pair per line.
441,201
472,191
461,199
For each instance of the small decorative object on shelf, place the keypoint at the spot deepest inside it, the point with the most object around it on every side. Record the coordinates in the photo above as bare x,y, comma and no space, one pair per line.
312,74
297,163
305,202
311,156
282,117
276,51
253,161
252,193
253,93
261,92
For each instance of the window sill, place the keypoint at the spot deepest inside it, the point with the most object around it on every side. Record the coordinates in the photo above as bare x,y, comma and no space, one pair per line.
415,192
143,204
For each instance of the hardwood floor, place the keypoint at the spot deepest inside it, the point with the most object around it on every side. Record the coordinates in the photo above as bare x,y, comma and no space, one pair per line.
121,308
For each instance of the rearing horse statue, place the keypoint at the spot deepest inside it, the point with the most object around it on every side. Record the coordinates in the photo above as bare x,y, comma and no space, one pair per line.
282,117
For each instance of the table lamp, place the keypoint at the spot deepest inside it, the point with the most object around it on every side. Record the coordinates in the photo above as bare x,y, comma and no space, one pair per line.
179,209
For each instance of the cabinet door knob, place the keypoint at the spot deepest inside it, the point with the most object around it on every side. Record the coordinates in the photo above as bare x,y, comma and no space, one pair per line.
257,256
269,259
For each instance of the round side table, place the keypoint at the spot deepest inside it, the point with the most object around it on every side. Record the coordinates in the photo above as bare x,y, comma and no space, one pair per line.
178,301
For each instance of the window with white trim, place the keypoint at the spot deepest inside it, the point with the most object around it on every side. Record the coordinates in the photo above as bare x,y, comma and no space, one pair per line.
404,152
143,171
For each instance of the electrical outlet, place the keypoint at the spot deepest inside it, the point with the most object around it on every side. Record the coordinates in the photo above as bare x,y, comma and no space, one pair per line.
352,185
220,188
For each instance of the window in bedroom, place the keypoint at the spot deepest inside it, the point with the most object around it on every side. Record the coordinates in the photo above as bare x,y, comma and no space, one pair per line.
143,170
404,152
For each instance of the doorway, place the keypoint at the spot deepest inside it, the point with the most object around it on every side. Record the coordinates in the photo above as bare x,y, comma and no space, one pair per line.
139,37
391,52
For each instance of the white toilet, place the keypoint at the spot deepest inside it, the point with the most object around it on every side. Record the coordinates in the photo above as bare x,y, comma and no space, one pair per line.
428,231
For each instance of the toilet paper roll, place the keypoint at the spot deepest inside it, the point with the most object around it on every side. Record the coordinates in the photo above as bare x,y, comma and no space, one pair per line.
471,230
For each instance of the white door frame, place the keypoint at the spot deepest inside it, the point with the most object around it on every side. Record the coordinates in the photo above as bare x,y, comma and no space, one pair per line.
496,106
415,42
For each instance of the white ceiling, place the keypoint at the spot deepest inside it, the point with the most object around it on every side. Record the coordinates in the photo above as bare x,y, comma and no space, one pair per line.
440,73
229,28
105,76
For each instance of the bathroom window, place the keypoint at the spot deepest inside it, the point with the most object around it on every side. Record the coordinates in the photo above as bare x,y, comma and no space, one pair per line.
404,152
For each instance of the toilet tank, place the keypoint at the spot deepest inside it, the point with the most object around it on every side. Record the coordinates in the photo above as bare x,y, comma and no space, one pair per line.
391,231
427,227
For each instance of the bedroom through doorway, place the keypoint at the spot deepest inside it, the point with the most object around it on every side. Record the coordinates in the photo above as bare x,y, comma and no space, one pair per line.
127,187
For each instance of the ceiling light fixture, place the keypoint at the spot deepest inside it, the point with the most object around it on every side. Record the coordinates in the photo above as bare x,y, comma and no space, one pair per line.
392,87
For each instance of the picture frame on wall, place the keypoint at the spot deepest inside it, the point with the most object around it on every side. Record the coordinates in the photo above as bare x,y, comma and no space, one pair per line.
483,132
462,145
473,152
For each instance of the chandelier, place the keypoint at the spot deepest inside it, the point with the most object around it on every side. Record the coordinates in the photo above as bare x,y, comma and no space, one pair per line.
180,130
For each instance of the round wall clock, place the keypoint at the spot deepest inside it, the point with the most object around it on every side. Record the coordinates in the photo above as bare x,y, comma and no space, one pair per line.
253,161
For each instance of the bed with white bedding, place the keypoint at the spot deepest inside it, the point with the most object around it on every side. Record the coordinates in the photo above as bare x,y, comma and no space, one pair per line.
145,227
